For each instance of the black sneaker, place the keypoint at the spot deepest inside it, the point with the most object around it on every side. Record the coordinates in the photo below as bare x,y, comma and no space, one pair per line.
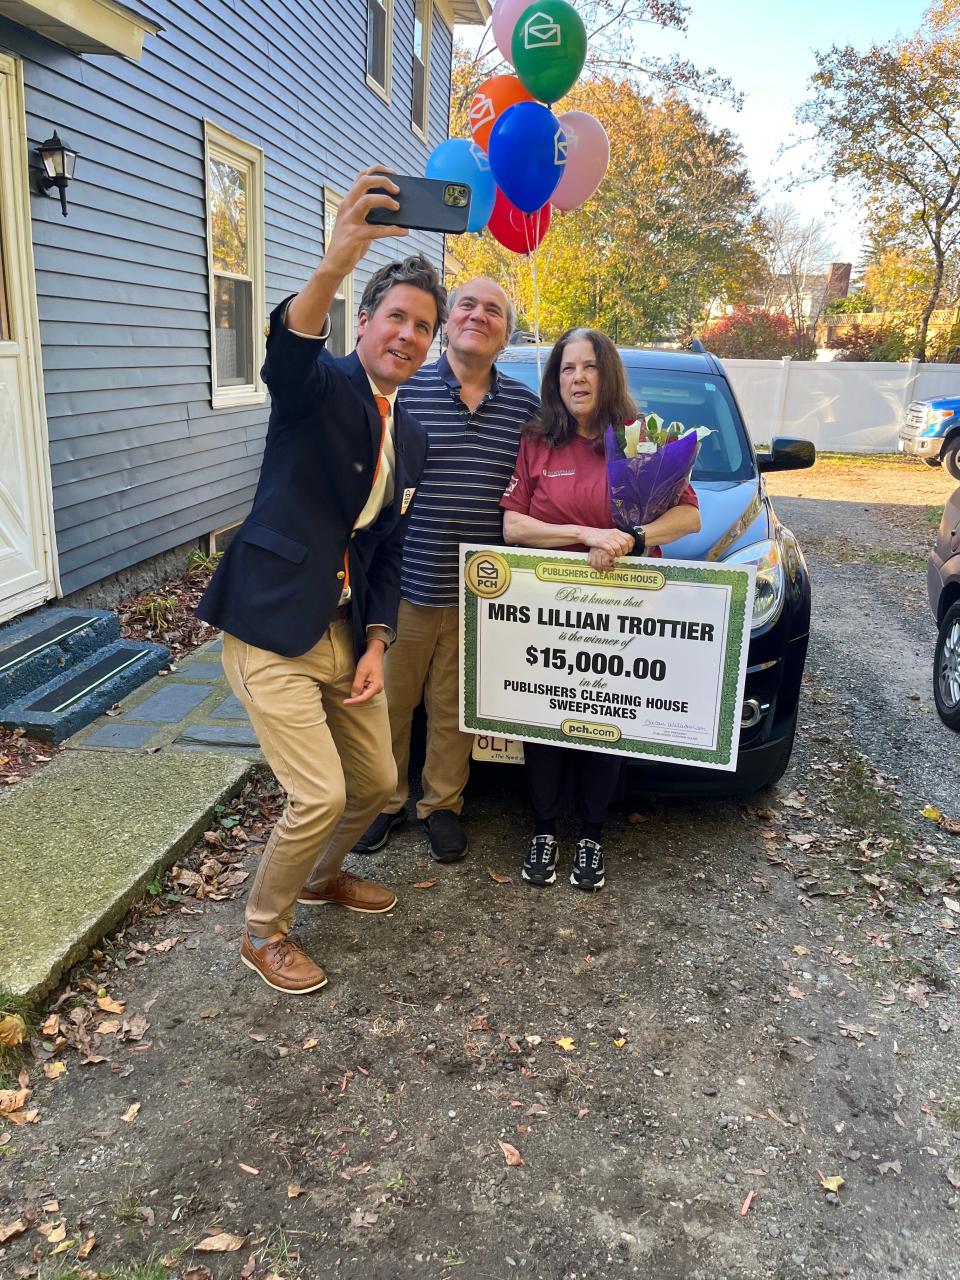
540,864
448,843
587,870
379,830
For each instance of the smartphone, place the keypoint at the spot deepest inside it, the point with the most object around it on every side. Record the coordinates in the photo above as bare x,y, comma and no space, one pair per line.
426,204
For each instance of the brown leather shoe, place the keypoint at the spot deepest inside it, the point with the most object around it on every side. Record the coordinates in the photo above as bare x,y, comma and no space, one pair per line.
350,891
283,965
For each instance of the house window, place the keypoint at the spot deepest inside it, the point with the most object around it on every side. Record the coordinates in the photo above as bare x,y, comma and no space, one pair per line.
342,329
234,191
379,42
422,14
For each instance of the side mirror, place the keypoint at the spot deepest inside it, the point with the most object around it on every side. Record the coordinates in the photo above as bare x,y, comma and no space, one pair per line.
787,455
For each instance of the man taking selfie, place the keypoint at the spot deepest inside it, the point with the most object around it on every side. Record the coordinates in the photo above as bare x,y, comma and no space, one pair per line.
308,590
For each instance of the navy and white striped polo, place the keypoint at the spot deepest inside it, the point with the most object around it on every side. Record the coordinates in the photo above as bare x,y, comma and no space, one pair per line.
468,466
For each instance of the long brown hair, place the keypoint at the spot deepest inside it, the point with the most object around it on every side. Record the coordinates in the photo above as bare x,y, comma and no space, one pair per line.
555,423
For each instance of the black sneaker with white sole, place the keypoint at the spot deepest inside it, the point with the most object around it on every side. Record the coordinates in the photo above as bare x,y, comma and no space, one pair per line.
379,831
587,870
540,864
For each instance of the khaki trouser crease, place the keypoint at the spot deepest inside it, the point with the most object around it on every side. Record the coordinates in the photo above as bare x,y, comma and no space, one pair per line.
329,758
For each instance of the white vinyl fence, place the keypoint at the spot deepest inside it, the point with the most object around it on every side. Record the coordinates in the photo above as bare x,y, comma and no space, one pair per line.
841,406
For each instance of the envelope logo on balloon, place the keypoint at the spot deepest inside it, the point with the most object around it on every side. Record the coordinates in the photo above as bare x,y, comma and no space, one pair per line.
480,157
559,147
481,111
541,32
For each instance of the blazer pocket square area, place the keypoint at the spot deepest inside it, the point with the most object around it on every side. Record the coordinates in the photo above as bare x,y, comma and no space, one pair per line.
406,500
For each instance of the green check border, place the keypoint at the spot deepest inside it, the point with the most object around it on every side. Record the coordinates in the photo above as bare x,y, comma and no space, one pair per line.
735,579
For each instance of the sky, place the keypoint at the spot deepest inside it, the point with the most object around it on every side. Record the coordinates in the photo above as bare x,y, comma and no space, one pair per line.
766,48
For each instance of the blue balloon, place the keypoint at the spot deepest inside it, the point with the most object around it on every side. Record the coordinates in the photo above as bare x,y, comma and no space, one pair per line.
528,151
458,160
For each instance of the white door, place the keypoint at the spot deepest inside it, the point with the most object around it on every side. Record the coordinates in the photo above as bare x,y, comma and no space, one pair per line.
27,573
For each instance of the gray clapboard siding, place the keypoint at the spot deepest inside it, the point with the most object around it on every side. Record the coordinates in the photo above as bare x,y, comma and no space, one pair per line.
141,462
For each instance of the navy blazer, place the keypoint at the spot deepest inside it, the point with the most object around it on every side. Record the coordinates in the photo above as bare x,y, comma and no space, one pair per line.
280,580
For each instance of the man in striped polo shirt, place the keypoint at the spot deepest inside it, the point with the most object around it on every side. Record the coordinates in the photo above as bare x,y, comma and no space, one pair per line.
473,415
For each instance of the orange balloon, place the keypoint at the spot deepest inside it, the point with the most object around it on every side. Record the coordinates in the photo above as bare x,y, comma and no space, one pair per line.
489,103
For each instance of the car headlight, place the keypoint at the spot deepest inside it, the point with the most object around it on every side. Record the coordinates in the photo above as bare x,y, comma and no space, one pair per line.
771,582
936,416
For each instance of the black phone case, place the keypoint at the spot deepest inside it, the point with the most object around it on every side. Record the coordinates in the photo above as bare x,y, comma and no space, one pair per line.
422,207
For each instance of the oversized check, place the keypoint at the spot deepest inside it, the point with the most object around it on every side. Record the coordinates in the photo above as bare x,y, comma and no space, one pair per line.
647,660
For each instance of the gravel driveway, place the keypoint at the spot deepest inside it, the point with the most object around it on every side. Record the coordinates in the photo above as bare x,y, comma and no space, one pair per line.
738,1061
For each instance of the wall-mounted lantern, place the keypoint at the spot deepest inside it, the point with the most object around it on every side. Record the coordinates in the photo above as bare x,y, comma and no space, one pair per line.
58,163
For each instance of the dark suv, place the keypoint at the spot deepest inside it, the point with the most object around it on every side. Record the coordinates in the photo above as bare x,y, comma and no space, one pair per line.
740,526
943,587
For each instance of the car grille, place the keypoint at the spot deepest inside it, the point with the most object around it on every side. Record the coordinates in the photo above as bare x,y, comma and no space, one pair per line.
916,417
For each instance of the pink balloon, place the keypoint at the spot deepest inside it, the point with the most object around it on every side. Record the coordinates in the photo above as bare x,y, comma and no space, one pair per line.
505,16
588,154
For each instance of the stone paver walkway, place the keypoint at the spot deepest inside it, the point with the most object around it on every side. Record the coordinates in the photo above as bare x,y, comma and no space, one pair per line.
192,709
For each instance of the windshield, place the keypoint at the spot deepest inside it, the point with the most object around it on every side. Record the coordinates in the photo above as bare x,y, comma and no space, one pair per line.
693,399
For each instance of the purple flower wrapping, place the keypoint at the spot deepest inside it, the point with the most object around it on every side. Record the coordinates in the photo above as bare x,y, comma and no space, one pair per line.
644,487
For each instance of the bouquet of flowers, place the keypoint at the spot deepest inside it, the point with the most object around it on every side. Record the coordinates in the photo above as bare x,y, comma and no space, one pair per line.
648,467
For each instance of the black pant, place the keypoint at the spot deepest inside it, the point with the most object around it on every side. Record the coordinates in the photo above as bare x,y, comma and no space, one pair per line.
558,774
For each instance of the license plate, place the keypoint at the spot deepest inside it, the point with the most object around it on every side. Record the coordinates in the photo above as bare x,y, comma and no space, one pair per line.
497,750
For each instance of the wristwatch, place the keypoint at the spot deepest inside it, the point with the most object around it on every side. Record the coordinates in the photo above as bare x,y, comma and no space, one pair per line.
640,536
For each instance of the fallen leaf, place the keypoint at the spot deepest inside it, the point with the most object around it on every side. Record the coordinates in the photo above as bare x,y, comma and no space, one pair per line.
131,1112
745,1207
310,1043
223,1242
56,1233
833,1183
12,1100
954,1179
619,1043
497,878
796,993
196,1272
210,1012
109,1027
917,992
293,1191
928,811
17,1228
248,1168
889,1166
50,1025
363,1218
167,945
425,884
510,1154
566,1044
13,1031
51,1206
54,1069
800,951
109,1005
87,1247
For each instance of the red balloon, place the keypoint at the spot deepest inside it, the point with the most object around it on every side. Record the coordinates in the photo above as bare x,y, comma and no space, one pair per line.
520,232
490,102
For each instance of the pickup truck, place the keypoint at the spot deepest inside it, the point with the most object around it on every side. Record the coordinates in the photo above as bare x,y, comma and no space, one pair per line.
931,431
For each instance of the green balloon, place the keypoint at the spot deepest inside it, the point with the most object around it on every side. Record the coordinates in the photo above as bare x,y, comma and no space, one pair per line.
549,49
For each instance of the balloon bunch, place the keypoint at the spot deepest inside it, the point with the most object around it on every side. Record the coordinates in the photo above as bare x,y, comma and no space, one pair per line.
523,160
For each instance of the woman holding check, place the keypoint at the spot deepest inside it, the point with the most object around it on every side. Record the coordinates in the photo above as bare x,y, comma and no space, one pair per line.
559,498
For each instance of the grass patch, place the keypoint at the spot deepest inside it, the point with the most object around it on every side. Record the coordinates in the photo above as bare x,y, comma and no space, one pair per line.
152,1269
933,515
901,559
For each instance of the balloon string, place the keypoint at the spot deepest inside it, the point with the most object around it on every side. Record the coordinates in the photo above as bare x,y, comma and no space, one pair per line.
534,271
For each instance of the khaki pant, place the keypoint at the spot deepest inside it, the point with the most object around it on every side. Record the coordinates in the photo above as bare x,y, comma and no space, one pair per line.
424,661
331,760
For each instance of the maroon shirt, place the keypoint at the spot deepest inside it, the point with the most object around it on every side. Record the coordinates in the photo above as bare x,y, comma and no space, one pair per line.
566,484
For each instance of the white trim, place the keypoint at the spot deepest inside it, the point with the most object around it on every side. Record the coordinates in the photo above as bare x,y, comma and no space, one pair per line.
384,90
219,144
16,227
332,199
85,26
469,13
424,132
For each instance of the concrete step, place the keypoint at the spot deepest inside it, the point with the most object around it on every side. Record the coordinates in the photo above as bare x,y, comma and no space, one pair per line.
77,694
36,649
80,841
